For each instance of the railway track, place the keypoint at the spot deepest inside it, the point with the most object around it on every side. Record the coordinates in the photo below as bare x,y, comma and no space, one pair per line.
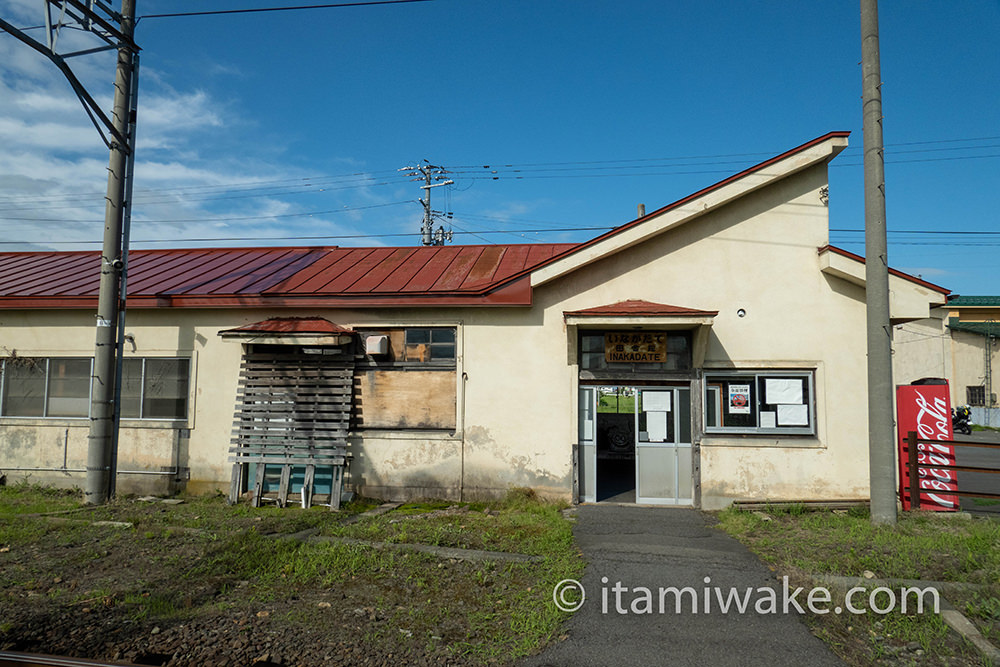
15,659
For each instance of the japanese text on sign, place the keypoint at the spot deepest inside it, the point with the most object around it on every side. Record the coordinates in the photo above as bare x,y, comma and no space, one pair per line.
635,347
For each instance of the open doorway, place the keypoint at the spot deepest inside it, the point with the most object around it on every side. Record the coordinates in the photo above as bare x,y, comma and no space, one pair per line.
616,444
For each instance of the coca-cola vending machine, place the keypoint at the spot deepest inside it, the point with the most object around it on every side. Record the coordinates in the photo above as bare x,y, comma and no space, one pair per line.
925,407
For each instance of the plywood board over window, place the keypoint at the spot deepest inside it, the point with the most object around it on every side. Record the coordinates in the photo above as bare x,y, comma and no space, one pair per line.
412,399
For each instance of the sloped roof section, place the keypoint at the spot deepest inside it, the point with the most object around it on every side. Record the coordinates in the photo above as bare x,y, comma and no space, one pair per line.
301,276
639,308
899,274
291,326
819,150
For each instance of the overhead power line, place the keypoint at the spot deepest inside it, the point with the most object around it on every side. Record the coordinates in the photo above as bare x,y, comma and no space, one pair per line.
304,214
218,12
510,171
323,237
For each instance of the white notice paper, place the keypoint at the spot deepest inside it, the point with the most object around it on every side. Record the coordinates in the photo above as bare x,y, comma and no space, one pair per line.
656,426
768,419
785,391
793,415
656,400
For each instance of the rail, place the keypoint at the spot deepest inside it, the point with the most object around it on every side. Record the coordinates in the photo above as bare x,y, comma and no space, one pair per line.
16,659
914,466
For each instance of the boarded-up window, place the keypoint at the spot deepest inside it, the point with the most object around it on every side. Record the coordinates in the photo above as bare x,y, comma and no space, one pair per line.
412,387
396,399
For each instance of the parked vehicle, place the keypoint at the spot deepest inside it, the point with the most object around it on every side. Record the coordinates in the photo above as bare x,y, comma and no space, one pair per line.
960,419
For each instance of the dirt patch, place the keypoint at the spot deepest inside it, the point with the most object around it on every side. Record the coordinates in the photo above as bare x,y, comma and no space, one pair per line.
203,584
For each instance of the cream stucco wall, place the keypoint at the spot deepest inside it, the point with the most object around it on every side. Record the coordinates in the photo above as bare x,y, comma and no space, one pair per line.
968,356
516,379
921,349
758,254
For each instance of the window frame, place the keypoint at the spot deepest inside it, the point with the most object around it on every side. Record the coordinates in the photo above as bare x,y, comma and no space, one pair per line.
755,376
432,345
975,395
46,388
142,391
47,380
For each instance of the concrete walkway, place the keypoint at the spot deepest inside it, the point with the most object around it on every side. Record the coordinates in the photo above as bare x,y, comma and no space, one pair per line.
659,548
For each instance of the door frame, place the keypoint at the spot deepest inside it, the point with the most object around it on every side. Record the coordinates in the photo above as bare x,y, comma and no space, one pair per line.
678,449
585,449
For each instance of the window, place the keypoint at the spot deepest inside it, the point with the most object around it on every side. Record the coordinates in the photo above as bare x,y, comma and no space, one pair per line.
154,388
781,402
60,387
68,392
975,396
40,387
410,387
429,344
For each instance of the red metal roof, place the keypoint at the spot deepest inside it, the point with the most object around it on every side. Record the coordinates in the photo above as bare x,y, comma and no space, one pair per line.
321,276
638,308
302,326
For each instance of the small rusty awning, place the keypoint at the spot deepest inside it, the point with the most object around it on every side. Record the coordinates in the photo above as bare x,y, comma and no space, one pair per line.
291,330
647,315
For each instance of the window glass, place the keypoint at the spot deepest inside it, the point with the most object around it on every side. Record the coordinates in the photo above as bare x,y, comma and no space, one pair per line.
131,394
677,346
69,388
24,387
60,387
165,389
417,336
443,336
765,402
429,344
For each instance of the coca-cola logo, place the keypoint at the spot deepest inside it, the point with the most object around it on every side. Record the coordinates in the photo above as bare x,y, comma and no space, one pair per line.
931,418
937,415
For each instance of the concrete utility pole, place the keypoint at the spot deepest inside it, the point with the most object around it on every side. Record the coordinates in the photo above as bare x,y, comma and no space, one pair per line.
430,173
117,33
102,408
881,432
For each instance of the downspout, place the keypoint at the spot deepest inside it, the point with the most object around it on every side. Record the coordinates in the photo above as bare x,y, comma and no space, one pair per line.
461,478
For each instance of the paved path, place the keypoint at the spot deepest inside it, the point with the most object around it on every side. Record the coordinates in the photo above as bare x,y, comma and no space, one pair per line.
659,548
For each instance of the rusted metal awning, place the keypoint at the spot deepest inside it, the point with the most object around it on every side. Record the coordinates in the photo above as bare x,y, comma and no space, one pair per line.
316,331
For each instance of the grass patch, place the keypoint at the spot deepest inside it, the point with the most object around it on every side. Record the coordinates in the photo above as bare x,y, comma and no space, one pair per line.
28,498
234,569
923,545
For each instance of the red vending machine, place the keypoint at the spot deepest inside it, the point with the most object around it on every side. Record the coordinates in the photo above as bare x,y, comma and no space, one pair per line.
925,407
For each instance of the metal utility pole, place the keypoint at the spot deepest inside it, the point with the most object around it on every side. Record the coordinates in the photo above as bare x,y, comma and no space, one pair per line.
988,374
430,173
116,30
881,432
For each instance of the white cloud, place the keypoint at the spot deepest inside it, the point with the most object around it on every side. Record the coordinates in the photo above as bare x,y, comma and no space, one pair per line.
53,164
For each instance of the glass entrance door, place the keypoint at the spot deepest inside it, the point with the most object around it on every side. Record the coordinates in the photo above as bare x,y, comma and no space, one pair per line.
663,446
587,444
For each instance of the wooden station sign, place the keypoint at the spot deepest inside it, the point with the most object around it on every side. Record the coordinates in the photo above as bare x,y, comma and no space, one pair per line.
635,347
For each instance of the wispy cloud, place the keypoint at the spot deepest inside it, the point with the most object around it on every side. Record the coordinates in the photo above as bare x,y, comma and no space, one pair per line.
53,166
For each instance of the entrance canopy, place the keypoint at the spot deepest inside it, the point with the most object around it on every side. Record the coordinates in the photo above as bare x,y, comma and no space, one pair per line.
638,314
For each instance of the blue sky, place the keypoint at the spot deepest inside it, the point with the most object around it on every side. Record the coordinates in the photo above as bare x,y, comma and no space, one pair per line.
269,128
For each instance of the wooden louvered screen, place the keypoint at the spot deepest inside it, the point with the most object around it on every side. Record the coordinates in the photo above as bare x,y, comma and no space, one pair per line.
292,411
